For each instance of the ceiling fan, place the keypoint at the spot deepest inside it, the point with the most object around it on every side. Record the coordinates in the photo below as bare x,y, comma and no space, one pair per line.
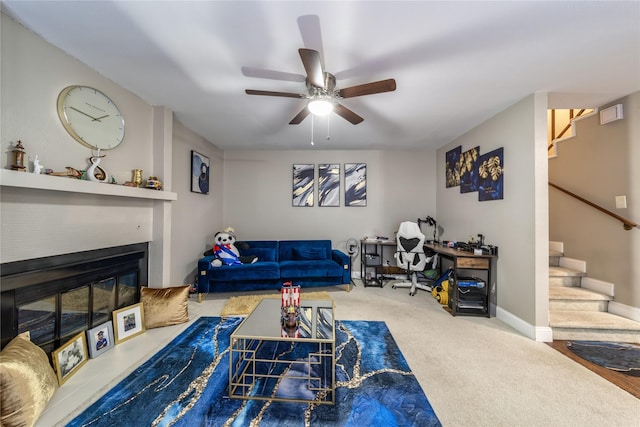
322,93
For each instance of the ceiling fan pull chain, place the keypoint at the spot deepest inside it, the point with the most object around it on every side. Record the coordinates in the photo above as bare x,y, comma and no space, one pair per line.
312,143
328,129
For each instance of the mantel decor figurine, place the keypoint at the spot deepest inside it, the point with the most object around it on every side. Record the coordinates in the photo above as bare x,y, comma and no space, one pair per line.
137,177
18,158
95,173
37,167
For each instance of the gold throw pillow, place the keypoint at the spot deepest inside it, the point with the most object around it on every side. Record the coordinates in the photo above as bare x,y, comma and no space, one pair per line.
165,306
27,382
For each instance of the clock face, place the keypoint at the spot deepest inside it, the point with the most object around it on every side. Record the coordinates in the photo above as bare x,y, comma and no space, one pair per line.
90,117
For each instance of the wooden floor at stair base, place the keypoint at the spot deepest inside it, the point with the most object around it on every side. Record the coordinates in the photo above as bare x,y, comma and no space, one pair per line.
628,383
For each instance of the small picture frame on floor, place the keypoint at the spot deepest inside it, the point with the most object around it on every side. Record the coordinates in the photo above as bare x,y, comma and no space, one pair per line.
128,322
100,339
68,359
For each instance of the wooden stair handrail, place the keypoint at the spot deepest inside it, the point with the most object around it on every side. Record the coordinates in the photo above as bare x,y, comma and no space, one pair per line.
627,224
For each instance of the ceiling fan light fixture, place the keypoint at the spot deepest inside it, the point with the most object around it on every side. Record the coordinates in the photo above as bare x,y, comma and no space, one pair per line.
320,107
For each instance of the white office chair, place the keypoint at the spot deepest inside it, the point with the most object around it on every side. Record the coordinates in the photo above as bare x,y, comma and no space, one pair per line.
410,256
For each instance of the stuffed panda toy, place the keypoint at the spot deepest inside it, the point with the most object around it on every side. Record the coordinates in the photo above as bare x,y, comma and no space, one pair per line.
225,251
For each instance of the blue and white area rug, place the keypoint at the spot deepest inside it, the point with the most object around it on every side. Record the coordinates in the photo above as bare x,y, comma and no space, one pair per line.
185,384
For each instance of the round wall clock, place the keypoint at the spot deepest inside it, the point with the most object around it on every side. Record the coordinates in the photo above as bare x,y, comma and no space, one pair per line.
90,117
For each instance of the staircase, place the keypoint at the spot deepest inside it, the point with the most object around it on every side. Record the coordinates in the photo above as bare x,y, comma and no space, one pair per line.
578,305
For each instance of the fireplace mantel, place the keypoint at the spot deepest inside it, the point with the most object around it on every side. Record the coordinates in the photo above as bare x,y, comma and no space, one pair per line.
9,178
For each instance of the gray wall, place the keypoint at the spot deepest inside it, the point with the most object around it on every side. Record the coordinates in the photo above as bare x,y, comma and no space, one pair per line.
600,163
517,224
258,201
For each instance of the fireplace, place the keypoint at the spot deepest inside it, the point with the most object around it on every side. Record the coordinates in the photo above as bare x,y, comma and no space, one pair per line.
57,297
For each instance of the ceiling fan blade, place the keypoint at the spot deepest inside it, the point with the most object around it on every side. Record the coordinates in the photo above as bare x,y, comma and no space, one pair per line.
313,66
261,73
300,117
347,114
381,86
270,93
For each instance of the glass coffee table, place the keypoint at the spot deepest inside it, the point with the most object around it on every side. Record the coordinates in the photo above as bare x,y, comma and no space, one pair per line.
270,362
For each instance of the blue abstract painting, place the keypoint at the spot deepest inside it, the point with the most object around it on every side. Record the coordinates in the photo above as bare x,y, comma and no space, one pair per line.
355,184
303,185
329,185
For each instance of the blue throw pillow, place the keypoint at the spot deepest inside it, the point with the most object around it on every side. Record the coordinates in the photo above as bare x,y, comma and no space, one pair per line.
263,254
309,254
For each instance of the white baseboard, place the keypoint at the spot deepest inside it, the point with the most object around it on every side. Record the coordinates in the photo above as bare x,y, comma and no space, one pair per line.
576,264
623,310
597,286
537,333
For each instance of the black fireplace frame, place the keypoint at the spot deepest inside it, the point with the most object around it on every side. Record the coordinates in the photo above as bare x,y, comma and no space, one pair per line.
25,281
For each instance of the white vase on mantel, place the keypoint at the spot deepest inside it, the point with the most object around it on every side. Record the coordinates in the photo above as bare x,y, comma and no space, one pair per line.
91,172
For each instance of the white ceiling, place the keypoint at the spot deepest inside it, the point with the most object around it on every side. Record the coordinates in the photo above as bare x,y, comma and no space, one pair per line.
456,64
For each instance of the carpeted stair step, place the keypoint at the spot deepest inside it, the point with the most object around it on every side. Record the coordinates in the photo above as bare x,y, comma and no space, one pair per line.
564,276
593,326
554,258
576,298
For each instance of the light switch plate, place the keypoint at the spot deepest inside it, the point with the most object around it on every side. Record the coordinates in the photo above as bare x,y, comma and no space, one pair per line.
621,202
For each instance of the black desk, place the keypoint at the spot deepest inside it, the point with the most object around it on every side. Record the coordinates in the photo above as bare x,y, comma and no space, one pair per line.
465,301
464,264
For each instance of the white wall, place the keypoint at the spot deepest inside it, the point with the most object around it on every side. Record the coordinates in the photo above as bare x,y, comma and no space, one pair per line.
194,215
38,223
600,163
514,224
258,201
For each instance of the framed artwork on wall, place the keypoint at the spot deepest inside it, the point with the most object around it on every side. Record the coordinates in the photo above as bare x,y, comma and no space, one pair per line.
303,188
128,322
452,167
355,184
100,339
329,184
491,175
70,357
199,173
469,170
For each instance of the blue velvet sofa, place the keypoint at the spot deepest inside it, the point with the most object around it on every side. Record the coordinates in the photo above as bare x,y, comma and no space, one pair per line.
308,263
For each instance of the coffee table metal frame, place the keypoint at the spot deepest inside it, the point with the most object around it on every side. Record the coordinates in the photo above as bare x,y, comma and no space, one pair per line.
248,358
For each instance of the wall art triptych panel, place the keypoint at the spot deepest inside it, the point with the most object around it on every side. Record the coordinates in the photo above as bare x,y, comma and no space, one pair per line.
355,186
474,172
490,171
469,170
303,187
329,185
452,167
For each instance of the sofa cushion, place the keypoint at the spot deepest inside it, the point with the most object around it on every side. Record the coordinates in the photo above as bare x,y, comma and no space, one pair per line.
309,253
27,382
288,247
263,254
314,268
256,271
164,306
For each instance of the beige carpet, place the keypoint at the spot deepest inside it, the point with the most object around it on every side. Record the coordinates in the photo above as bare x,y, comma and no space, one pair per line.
243,305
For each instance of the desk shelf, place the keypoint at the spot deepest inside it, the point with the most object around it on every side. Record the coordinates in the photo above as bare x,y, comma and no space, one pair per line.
464,298
372,260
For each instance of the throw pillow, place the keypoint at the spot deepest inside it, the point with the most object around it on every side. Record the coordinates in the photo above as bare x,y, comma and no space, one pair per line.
27,382
164,306
309,254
